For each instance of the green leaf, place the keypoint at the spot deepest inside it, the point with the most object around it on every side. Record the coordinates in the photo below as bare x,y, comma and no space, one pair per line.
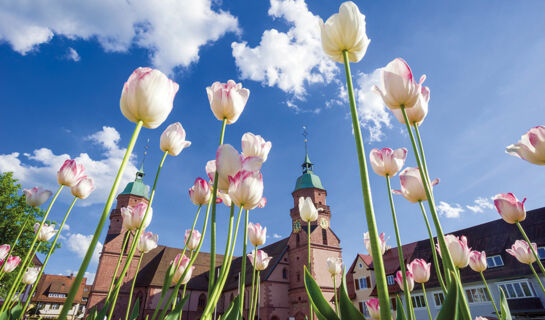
449,310
316,298
505,313
135,310
400,312
92,314
175,314
168,279
16,311
233,312
346,307
4,315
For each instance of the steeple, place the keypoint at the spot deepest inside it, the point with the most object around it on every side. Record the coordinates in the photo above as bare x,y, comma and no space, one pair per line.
137,187
308,179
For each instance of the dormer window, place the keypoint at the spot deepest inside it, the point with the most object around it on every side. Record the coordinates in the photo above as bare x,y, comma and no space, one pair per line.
494,261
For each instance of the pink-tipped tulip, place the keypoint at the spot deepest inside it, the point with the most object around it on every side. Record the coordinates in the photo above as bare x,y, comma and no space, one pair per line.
334,266
522,251
179,272
173,139
257,234
30,276
223,197
398,85
193,241
481,318
4,250
262,259
46,233
373,306
418,112
387,162
477,261
211,170
410,280
229,162
148,96
133,216
10,264
36,196
70,173
227,100
458,248
510,208
199,193
412,187
382,243
246,189
531,146
83,188
255,146
147,242
420,270
262,203
307,210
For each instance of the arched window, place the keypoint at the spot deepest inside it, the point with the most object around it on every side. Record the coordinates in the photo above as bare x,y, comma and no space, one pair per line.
324,236
297,239
284,273
201,302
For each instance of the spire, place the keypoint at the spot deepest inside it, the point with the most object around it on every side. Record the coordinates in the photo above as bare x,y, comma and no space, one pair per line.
308,179
307,165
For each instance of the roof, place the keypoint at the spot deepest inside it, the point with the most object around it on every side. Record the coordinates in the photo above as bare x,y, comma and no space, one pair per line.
308,179
51,284
137,187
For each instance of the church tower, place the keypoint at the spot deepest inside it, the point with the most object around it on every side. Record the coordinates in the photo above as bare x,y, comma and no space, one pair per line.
323,241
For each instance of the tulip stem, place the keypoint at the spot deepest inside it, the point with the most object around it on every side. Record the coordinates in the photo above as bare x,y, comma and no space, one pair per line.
132,285
24,263
211,273
531,247
336,299
490,294
256,297
35,285
309,265
433,249
537,277
253,284
185,287
15,242
426,300
407,293
378,263
243,267
121,254
109,202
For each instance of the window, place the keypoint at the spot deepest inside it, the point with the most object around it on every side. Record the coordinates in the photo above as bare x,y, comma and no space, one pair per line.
360,265
297,239
362,307
517,289
298,276
438,298
541,253
324,236
55,306
390,280
477,295
284,273
494,261
364,283
202,302
56,295
418,301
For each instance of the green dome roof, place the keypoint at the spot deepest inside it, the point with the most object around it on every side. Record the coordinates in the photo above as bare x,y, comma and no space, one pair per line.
137,187
308,179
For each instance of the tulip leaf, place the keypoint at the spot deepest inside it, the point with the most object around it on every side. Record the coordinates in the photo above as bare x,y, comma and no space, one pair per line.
233,312
400,312
346,307
450,310
505,313
135,310
16,311
4,315
316,298
168,279
175,314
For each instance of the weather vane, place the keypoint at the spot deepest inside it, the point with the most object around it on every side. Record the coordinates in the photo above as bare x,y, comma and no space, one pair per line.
305,134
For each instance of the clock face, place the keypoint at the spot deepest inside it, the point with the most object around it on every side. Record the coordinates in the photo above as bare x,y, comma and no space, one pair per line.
324,223
296,226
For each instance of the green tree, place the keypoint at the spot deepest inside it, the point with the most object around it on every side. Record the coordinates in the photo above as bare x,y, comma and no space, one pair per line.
13,212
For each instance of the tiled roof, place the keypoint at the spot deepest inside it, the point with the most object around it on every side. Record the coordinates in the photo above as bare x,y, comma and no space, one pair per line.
51,284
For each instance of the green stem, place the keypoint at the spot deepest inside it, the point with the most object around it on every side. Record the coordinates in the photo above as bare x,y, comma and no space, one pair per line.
309,265
335,293
211,274
253,283
243,267
490,295
531,247
109,202
406,293
256,297
132,285
136,237
35,285
378,264
121,255
537,277
185,287
26,260
426,300
433,249
15,243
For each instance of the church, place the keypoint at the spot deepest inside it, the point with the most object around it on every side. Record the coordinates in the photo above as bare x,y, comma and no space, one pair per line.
282,294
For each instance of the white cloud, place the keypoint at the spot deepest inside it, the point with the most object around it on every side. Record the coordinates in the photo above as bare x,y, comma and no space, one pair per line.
291,59
73,55
79,243
277,236
89,275
171,30
480,205
450,211
44,172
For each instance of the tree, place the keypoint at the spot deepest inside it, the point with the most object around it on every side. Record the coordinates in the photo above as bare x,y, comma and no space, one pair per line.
13,213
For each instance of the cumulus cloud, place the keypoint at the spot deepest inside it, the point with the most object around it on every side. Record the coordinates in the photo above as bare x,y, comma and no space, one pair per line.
73,55
171,30
450,211
288,60
277,236
79,243
480,204
89,275
40,167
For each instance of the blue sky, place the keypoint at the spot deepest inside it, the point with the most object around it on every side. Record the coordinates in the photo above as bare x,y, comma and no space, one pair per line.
64,65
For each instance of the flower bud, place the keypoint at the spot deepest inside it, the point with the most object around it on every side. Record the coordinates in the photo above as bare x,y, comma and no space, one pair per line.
173,139
30,275
477,261
227,100
458,249
36,196
70,173
334,266
257,234
420,270
83,188
255,146
147,242
199,193
246,189
410,280
261,259
522,251
133,216
307,210
181,268
510,208
531,146
11,263
192,239
387,161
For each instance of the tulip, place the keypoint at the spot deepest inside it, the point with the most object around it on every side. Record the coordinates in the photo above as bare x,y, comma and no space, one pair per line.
11,263
181,268
459,251
382,244
418,112
334,266
211,170
420,270
410,280
246,189
412,187
36,196
70,173
227,100
257,234
255,146
399,87
531,146
83,188
387,161
477,261
30,275
345,31
148,96
229,162
46,233
307,210
223,197
261,259
147,242
193,242
4,251
510,208
173,139
522,251
481,318
199,193
262,203
373,306
133,216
